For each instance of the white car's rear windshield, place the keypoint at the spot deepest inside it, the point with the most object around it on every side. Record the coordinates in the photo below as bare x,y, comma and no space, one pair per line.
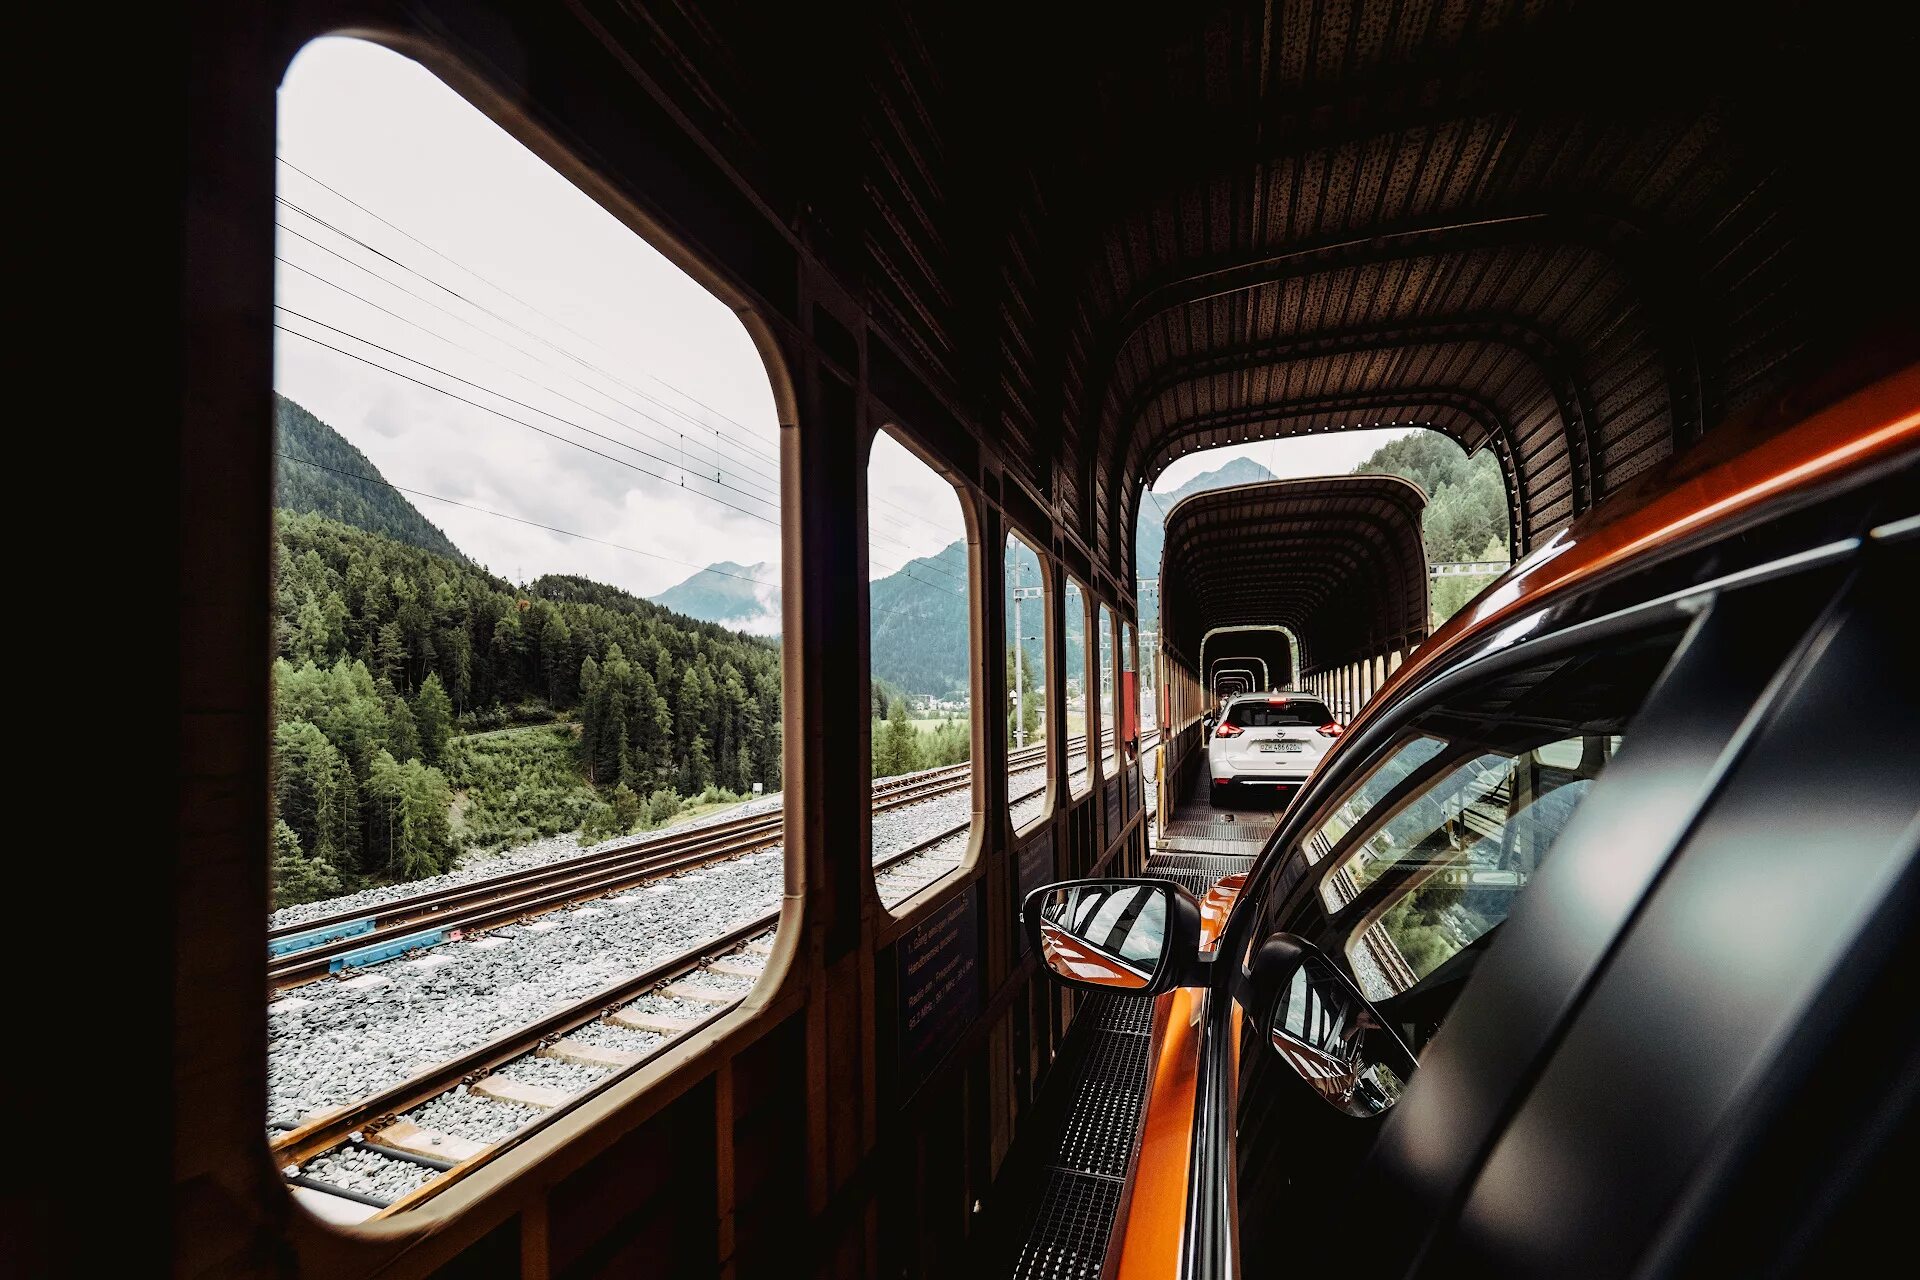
1278,713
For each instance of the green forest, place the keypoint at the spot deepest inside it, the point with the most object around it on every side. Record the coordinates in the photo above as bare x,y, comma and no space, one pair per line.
401,670
1466,515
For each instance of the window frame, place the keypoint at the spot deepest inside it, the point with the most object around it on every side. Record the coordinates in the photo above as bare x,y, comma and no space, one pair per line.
1070,586
1104,618
934,893
1050,801
621,1102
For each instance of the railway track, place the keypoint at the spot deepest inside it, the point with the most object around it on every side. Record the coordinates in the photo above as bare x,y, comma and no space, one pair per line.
538,1072
696,988
301,953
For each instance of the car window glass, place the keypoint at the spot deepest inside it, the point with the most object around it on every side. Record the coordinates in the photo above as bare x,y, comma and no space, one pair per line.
1372,788
1477,835
1431,827
1278,714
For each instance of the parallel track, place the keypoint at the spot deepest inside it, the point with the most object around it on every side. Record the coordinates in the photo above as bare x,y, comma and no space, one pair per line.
515,895
362,1123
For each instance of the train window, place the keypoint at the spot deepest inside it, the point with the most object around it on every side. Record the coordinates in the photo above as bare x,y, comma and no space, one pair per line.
920,675
1075,684
1026,685
527,626
1129,691
1109,700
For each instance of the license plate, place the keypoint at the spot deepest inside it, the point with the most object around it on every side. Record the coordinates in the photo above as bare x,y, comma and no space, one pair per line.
1281,748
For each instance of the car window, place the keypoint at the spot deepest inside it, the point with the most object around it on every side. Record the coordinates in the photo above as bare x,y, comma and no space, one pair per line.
1474,839
1373,787
1423,846
1279,713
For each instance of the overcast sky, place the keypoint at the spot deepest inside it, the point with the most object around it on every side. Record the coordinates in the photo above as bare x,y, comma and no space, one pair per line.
517,282
1317,455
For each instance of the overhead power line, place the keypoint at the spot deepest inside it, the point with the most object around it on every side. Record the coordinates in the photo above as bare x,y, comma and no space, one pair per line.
575,358
502,515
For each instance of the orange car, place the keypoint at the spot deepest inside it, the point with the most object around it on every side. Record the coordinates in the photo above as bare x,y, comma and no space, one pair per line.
1587,949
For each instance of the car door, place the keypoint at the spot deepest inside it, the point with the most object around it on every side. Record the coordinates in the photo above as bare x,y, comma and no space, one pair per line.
1580,753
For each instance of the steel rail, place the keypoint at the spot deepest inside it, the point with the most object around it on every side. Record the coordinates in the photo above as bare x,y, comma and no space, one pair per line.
497,900
427,908
330,1129
361,1120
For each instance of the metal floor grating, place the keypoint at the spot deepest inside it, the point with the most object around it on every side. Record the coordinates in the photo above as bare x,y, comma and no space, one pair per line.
1194,882
1099,1132
1219,864
1130,1015
1218,830
1069,1238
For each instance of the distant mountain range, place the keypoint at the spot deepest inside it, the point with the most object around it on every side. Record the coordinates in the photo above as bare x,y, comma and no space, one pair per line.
920,614
1150,535
740,597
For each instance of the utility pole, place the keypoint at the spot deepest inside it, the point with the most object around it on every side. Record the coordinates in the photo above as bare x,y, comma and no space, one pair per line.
1019,593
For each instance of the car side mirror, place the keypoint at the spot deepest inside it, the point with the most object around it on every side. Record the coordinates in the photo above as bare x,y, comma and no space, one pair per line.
1130,937
1326,1030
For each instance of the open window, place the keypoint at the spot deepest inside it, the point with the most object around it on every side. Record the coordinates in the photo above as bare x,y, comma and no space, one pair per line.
1074,613
1027,642
920,676
528,541
1109,692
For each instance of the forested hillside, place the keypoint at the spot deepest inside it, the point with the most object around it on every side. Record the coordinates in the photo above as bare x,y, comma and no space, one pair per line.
384,648
319,471
1466,515
920,622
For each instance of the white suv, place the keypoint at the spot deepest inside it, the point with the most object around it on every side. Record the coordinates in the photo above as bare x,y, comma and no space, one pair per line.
1268,741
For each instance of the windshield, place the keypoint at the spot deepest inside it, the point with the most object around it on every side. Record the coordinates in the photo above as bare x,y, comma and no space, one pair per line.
1279,713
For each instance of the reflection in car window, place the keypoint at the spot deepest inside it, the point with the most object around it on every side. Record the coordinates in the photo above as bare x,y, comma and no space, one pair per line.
1373,788
1483,829
1429,828
1128,921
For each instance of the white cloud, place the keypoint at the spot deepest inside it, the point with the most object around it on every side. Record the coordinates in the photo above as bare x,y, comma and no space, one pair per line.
573,316
1331,454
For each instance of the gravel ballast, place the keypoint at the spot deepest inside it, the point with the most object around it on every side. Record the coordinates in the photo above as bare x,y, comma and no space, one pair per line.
468,1115
479,865
340,1039
368,1172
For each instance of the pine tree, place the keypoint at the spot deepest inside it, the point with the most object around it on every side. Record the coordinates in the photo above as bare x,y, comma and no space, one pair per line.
896,746
403,736
297,877
433,714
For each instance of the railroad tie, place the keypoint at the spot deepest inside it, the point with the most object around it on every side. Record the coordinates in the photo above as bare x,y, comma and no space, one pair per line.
591,1055
543,1096
735,967
659,1022
404,1135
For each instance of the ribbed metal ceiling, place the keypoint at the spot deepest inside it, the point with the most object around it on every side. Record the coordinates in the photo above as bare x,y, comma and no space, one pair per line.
1579,235
1336,560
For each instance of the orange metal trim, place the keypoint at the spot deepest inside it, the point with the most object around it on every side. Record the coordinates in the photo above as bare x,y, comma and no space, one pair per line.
1153,1221
1878,422
1216,906
1068,955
